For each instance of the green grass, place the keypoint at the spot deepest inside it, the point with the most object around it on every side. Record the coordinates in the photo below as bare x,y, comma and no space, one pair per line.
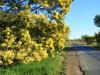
48,66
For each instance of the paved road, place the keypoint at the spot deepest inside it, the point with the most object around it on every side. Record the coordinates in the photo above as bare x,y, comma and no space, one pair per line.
89,59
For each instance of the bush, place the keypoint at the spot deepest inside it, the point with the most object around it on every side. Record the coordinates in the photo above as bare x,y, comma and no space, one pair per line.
26,37
97,36
88,39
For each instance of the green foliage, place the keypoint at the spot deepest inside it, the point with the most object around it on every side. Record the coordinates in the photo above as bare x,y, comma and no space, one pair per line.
88,39
27,37
97,36
97,23
97,20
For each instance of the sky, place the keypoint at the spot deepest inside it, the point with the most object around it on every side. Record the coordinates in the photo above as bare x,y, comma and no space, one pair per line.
80,17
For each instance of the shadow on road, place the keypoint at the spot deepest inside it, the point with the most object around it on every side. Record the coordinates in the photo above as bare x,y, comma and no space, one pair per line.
82,48
87,49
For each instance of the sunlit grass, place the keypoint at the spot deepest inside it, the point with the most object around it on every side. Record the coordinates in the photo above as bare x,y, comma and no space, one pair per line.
49,66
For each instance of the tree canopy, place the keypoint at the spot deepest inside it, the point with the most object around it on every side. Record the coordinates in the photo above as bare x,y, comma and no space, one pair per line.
97,20
54,9
32,30
97,36
88,39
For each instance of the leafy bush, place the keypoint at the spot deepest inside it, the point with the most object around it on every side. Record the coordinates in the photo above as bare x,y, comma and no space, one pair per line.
97,36
88,39
26,37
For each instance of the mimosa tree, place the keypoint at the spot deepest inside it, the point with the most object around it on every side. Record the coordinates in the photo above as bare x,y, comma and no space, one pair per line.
31,30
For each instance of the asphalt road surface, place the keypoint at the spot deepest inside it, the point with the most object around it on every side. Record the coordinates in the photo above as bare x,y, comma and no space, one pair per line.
89,60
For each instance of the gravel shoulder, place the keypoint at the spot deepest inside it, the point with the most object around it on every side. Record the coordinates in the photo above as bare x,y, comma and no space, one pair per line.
73,64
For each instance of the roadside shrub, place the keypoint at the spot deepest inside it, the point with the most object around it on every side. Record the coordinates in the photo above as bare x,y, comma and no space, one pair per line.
97,36
26,37
88,39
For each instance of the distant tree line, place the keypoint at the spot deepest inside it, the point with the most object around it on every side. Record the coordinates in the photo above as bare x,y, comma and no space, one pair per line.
88,39
96,38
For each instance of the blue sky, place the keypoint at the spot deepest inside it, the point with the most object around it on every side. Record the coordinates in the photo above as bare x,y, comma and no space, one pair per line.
80,17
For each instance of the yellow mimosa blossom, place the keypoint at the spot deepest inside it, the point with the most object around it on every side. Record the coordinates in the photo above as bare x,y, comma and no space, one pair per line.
21,55
3,44
56,15
36,56
28,59
10,61
1,62
43,54
8,54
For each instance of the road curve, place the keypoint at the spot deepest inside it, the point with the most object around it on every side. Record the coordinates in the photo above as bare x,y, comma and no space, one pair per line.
89,59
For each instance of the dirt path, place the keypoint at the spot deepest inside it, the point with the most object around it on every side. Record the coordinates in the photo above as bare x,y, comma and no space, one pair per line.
73,64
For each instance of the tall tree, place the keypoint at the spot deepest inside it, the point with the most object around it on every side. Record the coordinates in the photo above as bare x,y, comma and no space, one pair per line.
29,35
97,20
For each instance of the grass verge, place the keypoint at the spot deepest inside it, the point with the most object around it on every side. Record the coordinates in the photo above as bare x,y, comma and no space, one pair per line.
49,66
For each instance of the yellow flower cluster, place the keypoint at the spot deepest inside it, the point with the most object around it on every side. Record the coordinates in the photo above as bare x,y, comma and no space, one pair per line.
50,46
21,55
43,54
8,54
28,60
36,56
6,57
